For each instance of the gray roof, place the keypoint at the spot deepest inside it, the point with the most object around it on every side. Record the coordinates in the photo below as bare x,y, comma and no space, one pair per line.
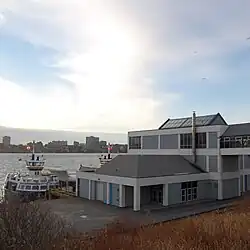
143,166
238,130
206,120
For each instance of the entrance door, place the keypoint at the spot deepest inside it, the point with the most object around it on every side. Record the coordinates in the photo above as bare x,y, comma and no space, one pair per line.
246,188
156,195
184,195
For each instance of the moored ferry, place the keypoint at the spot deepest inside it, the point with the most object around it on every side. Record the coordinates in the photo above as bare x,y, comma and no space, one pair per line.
30,185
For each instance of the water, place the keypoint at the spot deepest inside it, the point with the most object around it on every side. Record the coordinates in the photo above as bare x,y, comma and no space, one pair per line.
70,162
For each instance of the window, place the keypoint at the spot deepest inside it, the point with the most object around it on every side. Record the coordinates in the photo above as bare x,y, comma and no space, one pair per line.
186,141
188,191
201,140
35,187
135,142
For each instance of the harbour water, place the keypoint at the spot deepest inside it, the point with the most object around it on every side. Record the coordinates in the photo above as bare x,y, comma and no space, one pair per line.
70,162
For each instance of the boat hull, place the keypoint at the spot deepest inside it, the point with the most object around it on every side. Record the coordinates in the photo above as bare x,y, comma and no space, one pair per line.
10,195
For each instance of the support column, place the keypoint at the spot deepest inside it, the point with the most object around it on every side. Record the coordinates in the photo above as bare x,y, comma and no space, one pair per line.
240,188
159,142
90,191
220,189
121,195
137,197
165,194
179,141
108,194
243,172
207,163
207,139
77,180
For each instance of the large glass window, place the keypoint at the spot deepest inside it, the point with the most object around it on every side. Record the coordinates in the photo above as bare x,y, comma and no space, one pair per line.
135,142
189,191
186,141
201,140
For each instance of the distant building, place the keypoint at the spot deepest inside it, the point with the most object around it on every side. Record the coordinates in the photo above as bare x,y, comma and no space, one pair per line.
119,148
6,141
39,147
92,143
58,146
103,144
76,144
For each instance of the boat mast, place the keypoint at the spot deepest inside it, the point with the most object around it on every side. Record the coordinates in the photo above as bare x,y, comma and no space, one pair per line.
33,151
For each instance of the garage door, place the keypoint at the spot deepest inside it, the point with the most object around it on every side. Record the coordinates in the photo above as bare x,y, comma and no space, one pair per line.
99,191
83,188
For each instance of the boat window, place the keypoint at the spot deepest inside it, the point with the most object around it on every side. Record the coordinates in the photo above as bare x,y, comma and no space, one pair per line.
28,187
43,187
21,186
35,187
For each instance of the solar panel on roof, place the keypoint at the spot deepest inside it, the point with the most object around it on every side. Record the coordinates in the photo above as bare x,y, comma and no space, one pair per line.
204,120
175,123
187,123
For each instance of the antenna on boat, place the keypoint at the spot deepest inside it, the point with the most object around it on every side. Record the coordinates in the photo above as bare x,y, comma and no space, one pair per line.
33,151
109,150
33,148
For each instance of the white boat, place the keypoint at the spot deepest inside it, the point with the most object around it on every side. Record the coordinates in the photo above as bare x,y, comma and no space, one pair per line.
106,158
32,184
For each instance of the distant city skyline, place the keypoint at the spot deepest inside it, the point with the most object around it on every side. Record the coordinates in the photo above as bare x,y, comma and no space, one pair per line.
22,136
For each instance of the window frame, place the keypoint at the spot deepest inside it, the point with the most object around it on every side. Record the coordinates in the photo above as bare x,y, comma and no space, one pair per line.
135,142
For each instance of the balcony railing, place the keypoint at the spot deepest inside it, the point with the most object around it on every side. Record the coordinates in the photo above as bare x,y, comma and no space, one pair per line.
235,142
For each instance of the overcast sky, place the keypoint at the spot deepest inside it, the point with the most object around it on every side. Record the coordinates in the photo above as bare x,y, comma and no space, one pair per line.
119,65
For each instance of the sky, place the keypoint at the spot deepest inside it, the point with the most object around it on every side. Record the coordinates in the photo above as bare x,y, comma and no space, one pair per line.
120,65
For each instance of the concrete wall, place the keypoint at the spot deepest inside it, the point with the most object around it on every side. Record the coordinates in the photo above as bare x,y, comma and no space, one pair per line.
169,141
201,160
213,163
150,142
207,190
114,194
246,161
230,188
83,188
129,196
212,141
174,193
230,163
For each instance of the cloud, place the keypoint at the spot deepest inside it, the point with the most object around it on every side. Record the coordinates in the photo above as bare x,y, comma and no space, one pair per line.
109,53
104,58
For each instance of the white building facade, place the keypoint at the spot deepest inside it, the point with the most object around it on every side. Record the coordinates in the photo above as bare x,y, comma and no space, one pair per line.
186,159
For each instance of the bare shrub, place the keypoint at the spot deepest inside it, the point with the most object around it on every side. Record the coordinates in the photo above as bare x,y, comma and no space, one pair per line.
28,226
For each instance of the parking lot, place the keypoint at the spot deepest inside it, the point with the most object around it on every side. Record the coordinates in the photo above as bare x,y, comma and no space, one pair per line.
85,215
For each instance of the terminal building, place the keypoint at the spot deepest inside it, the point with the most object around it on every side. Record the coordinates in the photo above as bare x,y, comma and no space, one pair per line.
186,159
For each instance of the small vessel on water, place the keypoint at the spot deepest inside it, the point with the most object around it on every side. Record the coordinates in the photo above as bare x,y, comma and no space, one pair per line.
106,158
30,185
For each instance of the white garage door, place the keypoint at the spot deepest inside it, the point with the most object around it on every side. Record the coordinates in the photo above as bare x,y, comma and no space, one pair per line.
99,191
